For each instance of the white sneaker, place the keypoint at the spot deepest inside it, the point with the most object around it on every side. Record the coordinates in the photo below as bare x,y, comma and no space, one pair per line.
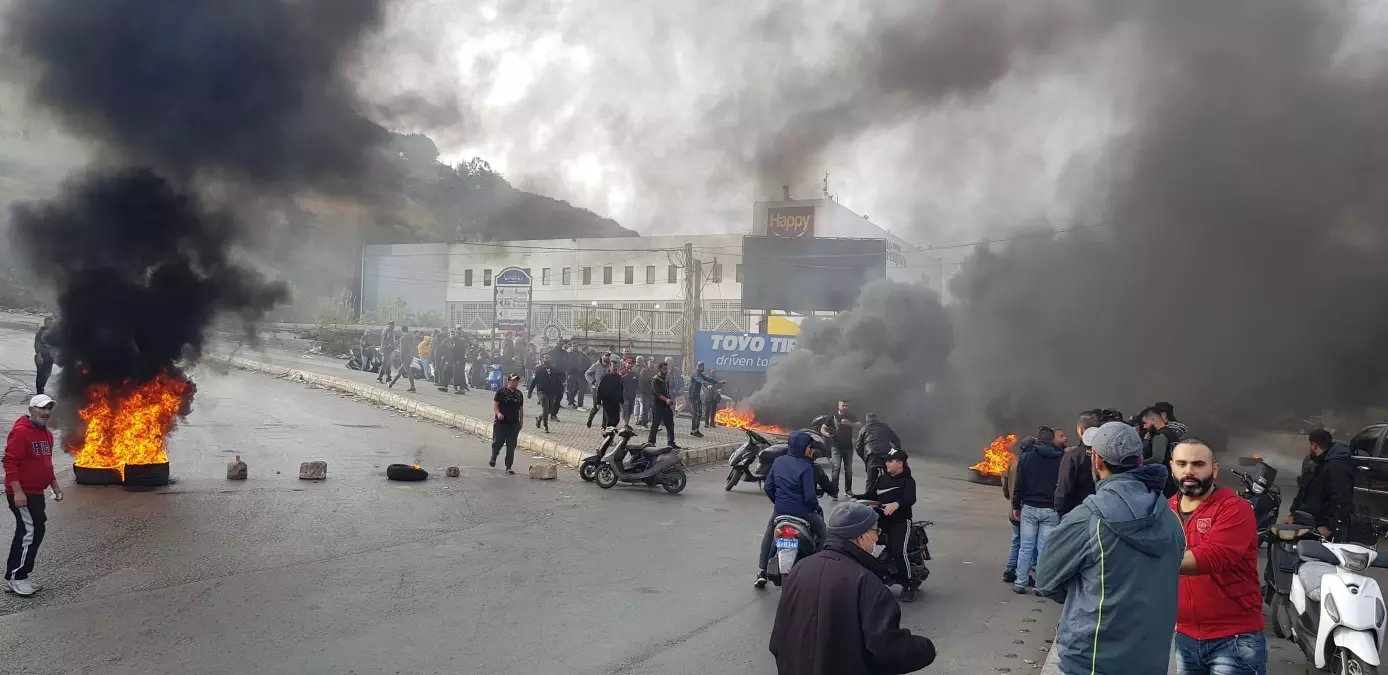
22,587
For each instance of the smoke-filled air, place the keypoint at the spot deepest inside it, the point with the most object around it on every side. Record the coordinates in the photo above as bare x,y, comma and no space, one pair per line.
194,107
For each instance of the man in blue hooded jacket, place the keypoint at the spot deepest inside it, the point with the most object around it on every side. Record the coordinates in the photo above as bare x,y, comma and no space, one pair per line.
790,486
1115,561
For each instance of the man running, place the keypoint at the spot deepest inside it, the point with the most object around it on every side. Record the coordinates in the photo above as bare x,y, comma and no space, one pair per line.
508,407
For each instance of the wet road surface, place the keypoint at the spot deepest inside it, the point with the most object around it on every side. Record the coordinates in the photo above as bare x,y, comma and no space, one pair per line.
485,573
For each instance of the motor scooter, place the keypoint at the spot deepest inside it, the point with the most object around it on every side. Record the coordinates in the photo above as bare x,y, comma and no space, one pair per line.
588,469
793,540
917,549
1340,613
752,461
649,465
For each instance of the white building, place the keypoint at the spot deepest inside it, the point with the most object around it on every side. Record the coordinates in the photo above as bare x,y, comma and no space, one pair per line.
635,285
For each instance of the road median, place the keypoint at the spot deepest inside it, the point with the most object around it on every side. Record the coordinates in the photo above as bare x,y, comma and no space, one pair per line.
545,447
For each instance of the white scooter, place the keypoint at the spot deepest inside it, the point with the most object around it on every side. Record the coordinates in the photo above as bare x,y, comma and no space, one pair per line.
1339,612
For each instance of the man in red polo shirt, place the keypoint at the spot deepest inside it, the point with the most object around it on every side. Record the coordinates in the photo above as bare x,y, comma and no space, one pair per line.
1219,623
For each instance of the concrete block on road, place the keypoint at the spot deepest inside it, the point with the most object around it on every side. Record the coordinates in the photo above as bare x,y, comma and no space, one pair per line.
544,471
451,472
236,470
313,471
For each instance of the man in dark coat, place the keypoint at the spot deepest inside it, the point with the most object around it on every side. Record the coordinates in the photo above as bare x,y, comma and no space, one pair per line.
1329,493
1076,480
874,440
551,386
836,617
609,395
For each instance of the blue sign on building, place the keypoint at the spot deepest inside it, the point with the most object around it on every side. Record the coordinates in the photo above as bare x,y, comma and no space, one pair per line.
740,352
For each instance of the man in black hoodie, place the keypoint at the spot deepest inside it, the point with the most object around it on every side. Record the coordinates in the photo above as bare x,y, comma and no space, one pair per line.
896,491
1033,500
1329,493
874,440
1076,480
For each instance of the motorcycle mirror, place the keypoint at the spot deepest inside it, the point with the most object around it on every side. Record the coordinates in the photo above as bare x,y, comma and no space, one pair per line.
1249,461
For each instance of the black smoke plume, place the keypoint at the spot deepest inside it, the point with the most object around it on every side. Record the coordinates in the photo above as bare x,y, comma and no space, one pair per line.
195,107
881,356
1238,270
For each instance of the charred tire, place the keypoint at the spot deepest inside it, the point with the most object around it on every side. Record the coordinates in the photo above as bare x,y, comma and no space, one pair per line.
89,476
734,475
588,471
674,481
405,472
146,475
606,477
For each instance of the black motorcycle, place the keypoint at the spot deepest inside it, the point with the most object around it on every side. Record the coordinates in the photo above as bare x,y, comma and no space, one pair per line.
753,459
588,469
370,361
917,549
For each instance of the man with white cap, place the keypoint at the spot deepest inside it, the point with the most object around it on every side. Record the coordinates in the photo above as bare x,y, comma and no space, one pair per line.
836,616
1115,561
28,471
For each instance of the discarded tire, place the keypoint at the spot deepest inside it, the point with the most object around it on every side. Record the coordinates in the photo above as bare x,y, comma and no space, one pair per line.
89,476
405,472
984,479
146,475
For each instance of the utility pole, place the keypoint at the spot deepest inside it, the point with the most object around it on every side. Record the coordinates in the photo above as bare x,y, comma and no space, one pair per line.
691,304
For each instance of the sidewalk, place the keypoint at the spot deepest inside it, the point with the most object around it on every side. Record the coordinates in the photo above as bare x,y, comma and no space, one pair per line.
569,440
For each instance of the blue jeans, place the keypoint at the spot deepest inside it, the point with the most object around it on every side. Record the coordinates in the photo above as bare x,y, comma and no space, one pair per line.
1016,541
1037,524
1243,654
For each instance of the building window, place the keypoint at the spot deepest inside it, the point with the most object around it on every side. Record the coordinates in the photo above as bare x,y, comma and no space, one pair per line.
737,273
467,277
650,274
674,275
587,276
607,275
717,274
630,274
544,275
486,277
568,277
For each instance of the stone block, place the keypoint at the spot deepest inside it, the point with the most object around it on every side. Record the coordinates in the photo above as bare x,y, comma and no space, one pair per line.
236,470
543,471
451,472
313,471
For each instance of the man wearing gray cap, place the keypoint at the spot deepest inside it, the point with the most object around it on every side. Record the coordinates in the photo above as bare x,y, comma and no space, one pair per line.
1115,561
836,616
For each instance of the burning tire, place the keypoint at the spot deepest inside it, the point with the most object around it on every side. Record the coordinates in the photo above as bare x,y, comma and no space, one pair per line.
146,475
89,476
406,472
984,479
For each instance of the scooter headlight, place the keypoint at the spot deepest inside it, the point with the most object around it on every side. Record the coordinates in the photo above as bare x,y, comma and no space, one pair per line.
1355,561
1330,609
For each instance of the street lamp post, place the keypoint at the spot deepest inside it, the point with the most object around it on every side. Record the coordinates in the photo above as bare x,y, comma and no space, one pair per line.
587,320
652,328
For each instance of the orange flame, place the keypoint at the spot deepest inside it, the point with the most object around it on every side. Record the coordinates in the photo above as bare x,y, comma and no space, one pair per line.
127,423
415,465
997,456
742,418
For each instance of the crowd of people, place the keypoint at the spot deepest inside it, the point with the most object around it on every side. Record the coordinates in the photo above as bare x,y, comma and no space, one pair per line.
1130,531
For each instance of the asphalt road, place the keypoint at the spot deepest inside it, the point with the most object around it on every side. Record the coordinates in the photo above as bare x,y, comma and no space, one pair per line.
481,574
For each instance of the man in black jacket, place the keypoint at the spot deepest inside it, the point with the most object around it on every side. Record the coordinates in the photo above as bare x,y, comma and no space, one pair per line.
1076,480
630,389
1033,500
896,491
874,440
836,616
1329,493
662,405
610,396
1161,439
551,386
43,356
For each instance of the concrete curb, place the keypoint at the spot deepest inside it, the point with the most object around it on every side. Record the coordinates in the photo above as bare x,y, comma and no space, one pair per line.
529,442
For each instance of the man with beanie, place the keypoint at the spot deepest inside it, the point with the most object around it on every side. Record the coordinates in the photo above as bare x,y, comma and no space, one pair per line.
1115,562
836,617
790,486
28,470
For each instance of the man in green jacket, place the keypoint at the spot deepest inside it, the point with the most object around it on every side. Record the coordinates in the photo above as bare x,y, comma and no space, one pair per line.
1115,561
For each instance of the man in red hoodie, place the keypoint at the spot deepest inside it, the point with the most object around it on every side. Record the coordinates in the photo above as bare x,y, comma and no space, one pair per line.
1219,623
28,470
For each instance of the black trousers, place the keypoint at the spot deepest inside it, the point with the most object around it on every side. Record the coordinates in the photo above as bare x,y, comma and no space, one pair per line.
711,411
387,360
543,417
505,433
895,533
578,389
696,410
556,401
29,526
662,414
875,470
611,413
44,369
460,376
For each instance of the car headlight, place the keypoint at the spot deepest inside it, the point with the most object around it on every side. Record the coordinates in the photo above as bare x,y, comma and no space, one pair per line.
1355,561
1331,609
